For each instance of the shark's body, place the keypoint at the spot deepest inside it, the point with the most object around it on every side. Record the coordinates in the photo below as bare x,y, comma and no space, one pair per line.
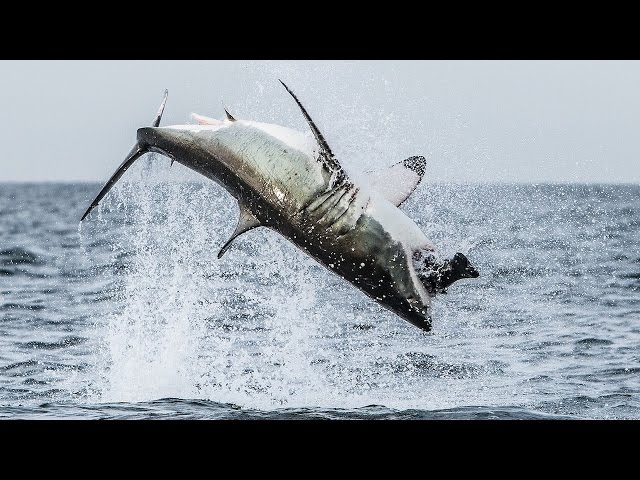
293,184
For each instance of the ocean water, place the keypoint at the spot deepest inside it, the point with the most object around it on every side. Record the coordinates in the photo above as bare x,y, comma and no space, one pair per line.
132,316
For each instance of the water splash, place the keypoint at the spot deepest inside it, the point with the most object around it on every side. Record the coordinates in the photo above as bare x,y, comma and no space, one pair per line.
549,325
179,331
257,328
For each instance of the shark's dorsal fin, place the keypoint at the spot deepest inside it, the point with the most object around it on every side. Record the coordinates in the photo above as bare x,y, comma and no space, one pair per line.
398,181
246,222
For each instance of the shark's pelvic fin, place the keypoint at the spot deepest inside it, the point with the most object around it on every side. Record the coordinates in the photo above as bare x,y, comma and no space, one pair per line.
246,222
398,182
229,116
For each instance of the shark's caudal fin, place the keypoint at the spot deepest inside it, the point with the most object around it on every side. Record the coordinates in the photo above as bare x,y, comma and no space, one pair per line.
398,181
136,152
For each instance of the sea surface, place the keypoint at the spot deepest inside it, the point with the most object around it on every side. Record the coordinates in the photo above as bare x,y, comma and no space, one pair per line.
132,316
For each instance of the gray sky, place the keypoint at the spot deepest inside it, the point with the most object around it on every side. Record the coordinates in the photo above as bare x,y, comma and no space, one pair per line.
486,121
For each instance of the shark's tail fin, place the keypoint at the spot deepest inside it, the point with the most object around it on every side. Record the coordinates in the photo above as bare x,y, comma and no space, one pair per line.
136,152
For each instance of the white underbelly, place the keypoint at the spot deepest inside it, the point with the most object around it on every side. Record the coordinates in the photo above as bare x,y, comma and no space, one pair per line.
398,225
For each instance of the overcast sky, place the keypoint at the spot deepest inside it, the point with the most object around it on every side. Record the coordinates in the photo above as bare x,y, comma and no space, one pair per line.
475,121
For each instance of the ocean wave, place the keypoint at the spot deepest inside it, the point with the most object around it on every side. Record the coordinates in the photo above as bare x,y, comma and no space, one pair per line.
590,341
70,341
100,321
19,256
176,408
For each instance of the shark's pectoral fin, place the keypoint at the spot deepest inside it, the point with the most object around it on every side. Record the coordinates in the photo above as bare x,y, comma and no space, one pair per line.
326,155
399,181
246,222
316,132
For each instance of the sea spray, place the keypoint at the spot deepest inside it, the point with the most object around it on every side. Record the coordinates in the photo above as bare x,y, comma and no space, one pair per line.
266,327
249,329
179,332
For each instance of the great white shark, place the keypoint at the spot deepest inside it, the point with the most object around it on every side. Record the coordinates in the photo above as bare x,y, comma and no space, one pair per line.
293,184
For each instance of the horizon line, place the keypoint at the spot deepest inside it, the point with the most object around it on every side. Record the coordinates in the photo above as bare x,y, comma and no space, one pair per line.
499,182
